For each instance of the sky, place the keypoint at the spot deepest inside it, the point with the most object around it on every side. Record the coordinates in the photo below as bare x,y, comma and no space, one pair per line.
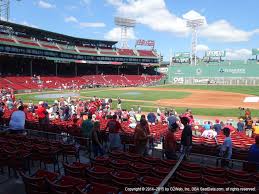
230,25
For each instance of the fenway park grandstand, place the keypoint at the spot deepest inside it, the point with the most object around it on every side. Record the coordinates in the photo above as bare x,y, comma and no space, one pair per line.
32,58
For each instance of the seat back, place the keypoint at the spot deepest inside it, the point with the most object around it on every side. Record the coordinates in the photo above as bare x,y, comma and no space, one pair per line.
74,171
34,185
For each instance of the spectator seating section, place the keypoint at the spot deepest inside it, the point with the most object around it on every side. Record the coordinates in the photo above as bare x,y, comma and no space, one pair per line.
126,52
6,38
105,51
146,53
116,171
49,45
87,50
73,49
27,42
50,82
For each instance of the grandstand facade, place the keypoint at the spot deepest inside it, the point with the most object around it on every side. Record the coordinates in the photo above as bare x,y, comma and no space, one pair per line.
27,51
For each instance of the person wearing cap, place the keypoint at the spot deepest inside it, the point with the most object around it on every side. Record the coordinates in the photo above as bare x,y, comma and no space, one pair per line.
253,154
217,126
240,125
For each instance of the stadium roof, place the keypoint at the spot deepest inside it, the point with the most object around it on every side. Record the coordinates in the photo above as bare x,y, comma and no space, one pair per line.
40,34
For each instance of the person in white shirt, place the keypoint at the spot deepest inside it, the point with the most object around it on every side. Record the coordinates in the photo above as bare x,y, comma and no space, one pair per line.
17,120
132,112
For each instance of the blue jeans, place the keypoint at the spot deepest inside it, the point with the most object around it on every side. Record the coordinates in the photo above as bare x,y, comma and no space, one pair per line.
97,150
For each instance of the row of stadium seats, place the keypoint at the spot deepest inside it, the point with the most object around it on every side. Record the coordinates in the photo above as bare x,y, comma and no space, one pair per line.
115,171
27,42
26,82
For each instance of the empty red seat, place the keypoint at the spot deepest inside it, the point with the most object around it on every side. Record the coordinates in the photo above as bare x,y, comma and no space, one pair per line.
119,164
99,174
191,167
212,171
148,181
188,177
46,174
239,175
160,171
210,181
123,179
139,167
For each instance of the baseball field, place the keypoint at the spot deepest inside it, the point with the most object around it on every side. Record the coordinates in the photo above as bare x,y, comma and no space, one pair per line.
203,100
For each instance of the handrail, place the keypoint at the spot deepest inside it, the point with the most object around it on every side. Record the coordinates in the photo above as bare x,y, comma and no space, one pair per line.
170,174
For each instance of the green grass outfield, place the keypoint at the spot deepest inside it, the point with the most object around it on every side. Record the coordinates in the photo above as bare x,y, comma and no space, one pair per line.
253,90
151,96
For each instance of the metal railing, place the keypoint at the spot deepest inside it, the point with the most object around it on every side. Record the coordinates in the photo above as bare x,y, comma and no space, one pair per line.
170,174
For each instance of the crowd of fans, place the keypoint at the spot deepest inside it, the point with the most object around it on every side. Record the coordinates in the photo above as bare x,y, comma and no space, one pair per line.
86,114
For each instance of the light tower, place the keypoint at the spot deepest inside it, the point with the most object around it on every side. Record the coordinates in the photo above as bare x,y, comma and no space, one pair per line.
4,9
124,24
194,25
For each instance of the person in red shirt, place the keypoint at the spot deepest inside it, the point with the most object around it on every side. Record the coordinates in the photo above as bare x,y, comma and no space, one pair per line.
114,127
170,142
42,115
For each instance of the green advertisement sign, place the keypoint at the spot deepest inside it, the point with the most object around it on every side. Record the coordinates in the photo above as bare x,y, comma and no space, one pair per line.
182,55
255,51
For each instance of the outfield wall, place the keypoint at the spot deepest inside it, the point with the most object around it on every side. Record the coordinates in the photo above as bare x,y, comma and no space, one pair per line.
222,74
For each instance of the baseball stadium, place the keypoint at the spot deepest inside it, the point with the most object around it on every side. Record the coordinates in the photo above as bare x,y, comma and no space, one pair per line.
86,115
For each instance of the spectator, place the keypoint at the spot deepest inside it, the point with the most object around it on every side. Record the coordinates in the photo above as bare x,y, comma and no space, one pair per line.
253,154
1,111
17,121
151,117
166,112
87,127
132,113
217,126
139,110
42,115
171,119
97,140
141,137
158,111
256,129
114,127
170,142
186,138
249,126
226,148
240,125
207,125
118,103
110,102
147,130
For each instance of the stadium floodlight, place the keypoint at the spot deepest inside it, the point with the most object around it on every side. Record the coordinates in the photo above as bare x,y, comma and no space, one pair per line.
194,25
5,9
124,24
